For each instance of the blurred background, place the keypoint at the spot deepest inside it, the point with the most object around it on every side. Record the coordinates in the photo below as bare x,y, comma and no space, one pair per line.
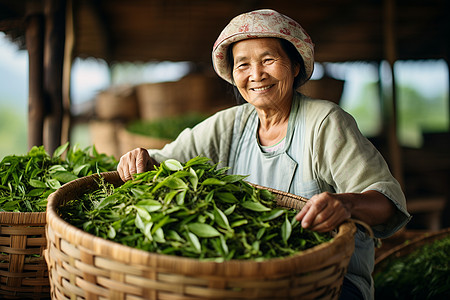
111,64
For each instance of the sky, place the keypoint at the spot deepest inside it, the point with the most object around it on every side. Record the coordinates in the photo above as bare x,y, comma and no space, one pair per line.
13,73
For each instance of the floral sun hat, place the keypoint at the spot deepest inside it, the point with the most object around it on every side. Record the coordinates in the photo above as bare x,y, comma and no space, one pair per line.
259,24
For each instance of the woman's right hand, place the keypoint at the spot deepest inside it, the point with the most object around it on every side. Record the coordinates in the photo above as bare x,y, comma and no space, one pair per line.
133,162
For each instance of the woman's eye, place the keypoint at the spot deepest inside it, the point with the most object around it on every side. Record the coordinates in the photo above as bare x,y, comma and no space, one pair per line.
268,60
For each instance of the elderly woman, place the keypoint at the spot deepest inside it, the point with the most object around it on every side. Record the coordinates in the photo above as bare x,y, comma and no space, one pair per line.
287,141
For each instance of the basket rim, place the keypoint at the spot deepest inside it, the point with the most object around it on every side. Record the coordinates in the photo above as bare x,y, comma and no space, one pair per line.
22,218
343,242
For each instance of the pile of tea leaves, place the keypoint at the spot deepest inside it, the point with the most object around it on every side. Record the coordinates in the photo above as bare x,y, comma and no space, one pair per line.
192,210
422,274
26,181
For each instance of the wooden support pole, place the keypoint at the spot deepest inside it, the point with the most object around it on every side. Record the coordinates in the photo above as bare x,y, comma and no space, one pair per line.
67,72
55,15
36,100
390,48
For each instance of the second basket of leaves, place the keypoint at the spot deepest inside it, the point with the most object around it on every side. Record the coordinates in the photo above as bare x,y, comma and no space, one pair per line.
188,231
26,182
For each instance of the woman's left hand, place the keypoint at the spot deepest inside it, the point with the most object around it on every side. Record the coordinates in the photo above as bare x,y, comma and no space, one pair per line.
324,212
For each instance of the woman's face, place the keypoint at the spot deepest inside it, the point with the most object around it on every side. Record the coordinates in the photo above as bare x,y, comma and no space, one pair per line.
263,73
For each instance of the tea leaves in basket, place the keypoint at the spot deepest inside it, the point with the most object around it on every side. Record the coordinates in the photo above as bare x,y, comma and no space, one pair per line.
28,180
422,274
192,210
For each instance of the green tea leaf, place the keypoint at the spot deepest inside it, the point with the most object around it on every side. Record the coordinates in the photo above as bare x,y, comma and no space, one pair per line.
159,236
143,213
53,183
147,231
193,178
220,218
238,223
227,197
180,197
199,160
64,176
266,194
224,245
255,206
111,233
203,230
37,183
139,223
233,178
175,183
286,230
35,192
230,210
172,234
273,214
260,233
81,170
60,150
149,205
56,168
213,181
173,165
194,241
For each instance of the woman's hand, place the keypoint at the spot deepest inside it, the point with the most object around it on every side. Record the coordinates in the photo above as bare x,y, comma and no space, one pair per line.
135,161
324,212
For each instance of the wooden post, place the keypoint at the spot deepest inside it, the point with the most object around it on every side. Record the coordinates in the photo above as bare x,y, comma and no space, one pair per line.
67,68
395,157
55,14
36,101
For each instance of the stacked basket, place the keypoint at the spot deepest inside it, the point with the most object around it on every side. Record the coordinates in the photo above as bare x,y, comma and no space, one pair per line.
23,271
85,266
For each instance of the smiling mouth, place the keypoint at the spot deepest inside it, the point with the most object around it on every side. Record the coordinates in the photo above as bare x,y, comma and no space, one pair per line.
262,88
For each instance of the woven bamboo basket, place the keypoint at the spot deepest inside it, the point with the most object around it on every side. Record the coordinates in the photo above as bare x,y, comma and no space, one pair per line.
408,247
23,270
83,266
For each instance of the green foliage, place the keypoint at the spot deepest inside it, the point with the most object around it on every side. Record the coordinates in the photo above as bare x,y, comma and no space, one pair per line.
27,180
417,113
166,128
192,210
423,274
13,133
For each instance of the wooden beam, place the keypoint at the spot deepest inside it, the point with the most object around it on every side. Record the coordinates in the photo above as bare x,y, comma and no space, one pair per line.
55,16
35,46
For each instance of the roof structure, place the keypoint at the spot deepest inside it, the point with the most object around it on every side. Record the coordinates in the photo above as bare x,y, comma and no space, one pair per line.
148,30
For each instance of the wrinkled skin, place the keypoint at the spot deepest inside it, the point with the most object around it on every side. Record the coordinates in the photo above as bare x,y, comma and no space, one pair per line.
135,161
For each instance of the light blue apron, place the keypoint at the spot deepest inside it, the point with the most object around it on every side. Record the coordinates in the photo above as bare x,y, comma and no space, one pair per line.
281,170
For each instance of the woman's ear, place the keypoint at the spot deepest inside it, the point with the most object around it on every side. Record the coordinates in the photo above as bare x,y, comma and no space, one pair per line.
296,70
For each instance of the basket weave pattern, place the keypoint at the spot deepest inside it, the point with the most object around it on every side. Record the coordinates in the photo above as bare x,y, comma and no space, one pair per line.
83,266
23,271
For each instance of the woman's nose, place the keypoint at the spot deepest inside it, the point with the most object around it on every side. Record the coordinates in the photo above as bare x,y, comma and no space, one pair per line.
257,72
